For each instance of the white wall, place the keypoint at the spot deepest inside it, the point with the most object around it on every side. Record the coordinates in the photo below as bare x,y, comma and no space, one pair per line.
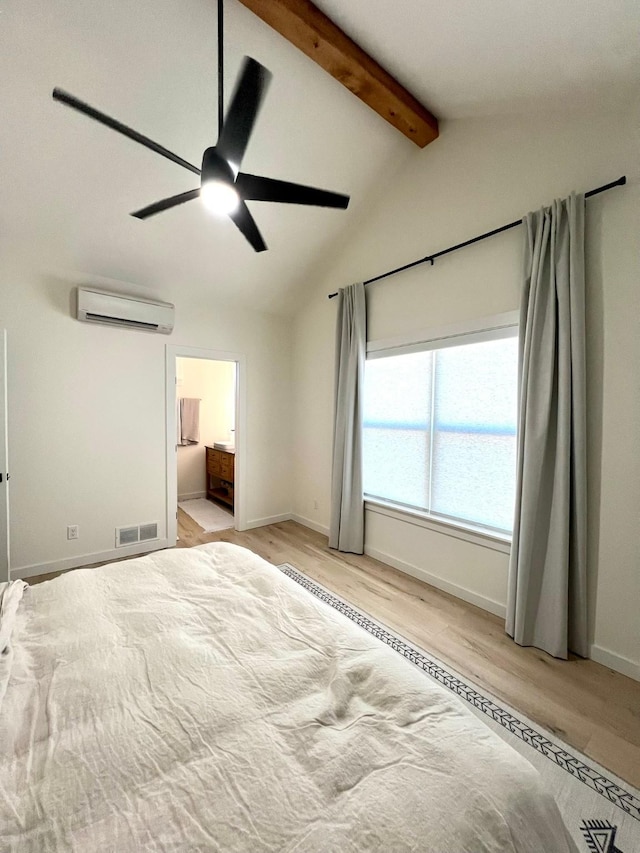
213,383
479,175
87,413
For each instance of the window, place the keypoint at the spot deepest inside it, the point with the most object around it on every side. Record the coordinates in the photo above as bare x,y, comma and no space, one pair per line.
440,428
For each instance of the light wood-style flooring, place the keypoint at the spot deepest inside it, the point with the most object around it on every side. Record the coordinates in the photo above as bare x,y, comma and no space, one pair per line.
589,706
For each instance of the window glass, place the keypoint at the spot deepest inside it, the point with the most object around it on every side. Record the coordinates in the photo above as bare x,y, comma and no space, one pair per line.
440,431
474,437
397,428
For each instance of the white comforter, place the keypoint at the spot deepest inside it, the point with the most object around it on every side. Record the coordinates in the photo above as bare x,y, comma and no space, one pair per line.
199,700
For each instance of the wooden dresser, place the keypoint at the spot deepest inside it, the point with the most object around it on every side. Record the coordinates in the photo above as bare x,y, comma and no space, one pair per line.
220,475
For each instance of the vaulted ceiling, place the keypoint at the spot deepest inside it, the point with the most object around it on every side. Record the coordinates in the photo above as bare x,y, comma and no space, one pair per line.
499,57
68,184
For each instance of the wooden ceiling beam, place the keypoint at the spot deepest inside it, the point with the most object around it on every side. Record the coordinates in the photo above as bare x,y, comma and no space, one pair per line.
309,29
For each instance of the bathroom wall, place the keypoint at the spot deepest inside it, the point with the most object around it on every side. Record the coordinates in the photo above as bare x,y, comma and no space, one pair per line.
213,383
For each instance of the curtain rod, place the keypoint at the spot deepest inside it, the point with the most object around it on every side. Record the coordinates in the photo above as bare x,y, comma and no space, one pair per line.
431,258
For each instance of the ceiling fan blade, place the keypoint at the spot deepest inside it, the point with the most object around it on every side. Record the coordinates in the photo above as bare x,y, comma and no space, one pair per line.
256,188
247,225
243,111
165,204
103,118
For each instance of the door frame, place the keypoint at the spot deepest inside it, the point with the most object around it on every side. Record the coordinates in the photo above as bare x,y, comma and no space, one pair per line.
5,567
172,353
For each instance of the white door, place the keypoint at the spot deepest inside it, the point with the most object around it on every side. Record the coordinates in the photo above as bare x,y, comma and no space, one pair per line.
4,457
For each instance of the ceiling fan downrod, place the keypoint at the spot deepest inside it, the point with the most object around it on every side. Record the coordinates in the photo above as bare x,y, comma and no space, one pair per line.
220,67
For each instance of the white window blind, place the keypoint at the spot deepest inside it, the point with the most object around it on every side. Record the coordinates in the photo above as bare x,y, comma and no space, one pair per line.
440,430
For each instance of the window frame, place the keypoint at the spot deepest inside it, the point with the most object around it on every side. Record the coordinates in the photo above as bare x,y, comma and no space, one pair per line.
491,328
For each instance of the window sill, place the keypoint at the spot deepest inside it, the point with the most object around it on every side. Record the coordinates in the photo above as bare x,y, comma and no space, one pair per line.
466,532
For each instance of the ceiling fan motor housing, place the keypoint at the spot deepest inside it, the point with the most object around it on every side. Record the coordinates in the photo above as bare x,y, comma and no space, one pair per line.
216,168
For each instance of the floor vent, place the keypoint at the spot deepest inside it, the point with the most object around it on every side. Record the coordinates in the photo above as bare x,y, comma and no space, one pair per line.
135,534
148,531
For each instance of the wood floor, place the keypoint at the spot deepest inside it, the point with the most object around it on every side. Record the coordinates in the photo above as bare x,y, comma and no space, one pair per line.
589,706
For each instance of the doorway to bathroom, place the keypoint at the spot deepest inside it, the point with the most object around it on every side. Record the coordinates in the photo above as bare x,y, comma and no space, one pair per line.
203,440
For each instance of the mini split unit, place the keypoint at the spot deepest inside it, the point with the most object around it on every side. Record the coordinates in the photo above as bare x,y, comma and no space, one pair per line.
113,309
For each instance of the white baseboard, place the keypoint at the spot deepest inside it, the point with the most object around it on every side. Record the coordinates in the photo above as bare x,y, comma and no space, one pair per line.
619,663
460,592
89,559
446,586
616,661
191,496
307,522
272,519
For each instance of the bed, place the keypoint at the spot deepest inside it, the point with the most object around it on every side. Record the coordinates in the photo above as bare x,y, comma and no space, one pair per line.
200,700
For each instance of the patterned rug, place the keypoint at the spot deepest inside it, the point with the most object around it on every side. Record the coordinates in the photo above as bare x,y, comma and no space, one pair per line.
601,811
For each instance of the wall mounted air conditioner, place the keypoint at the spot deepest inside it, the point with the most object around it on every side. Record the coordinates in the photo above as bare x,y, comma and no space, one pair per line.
97,306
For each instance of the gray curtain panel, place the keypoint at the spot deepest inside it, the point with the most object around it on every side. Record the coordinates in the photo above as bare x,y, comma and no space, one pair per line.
346,529
547,605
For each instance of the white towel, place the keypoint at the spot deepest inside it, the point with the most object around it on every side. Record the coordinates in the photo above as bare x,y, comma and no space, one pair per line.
189,420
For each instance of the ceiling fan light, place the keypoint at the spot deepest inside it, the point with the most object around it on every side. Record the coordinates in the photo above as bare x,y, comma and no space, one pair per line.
219,197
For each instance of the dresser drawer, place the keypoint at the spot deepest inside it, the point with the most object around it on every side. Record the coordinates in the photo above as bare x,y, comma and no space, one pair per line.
220,464
220,473
226,467
214,462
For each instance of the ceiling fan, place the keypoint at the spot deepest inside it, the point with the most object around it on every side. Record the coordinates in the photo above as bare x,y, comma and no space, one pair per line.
223,187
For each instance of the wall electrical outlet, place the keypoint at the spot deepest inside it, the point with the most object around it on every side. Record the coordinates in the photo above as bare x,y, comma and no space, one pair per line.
315,504
72,531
